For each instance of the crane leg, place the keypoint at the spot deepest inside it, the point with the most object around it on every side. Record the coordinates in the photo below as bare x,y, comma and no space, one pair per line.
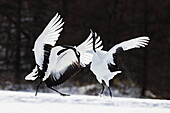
110,92
102,88
58,91
38,88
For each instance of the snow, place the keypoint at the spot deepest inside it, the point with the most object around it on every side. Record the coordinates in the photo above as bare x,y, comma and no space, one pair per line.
26,102
123,90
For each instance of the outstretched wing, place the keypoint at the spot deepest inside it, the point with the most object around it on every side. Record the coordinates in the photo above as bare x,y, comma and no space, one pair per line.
87,45
49,36
60,77
126,45
64,65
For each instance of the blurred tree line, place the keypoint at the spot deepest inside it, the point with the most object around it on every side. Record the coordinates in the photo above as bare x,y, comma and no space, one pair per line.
22,21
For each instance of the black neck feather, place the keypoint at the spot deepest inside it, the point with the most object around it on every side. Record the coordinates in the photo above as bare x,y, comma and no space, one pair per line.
94,39
74,49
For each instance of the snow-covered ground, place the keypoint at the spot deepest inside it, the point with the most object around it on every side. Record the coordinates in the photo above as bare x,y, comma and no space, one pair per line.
26,102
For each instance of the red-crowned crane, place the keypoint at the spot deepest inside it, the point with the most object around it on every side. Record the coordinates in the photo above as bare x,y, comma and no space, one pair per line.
57,63
104,64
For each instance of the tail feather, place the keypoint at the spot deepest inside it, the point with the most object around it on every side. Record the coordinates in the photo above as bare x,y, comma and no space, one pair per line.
32,75
111,77
115,73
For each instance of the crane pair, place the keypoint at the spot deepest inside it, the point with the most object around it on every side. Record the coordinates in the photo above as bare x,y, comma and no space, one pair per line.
57,63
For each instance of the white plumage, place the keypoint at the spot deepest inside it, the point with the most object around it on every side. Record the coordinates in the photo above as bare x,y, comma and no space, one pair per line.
49,36
56,64
103,62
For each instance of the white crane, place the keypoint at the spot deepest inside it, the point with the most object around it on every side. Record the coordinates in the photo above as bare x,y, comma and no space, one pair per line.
104,64
57,63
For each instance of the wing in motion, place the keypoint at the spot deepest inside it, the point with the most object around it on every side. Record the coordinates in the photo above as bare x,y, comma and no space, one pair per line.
43,45
127,45
86,46
67,63
70,71
49,36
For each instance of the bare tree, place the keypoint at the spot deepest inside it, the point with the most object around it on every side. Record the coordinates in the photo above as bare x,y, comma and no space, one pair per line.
18,42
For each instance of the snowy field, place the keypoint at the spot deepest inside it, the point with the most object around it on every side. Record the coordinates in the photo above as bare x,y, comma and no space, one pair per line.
26,102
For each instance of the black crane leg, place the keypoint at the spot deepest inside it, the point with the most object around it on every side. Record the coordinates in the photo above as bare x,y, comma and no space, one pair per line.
58,91
38,88
102,88
110,92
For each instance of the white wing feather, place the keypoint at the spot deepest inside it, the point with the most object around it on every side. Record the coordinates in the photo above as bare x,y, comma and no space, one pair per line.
32,75
60,63
87,45
126,45
49,36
